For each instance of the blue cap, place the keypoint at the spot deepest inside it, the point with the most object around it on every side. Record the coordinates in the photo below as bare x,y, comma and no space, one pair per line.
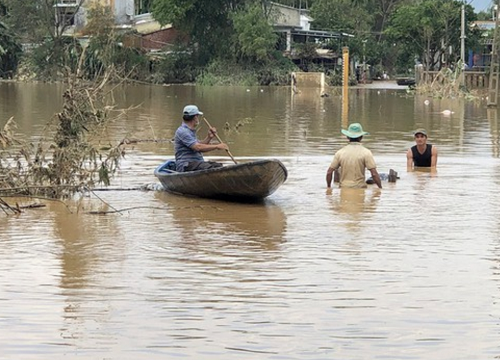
191,110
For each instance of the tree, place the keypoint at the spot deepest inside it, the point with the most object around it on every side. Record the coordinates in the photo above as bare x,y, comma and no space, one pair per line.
207,22
254,36
10,50
342,16
484,15
35,20
429,29
43,23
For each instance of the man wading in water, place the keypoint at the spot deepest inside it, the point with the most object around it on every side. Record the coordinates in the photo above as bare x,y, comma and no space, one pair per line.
352,160
422,154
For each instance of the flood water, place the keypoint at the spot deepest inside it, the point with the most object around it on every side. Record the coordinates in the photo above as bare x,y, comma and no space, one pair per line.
411,271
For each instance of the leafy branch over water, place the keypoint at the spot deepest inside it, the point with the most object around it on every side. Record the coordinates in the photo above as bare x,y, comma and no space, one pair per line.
69,157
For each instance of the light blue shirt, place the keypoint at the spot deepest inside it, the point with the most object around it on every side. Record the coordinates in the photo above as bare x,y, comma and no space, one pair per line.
184,139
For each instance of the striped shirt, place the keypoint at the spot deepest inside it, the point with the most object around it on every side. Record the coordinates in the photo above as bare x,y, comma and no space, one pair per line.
184,139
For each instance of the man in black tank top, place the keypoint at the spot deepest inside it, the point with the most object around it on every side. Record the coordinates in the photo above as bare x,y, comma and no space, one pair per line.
422,154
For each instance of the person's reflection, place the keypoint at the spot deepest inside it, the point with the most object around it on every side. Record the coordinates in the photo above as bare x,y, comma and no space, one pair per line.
81,250
429,170
356,204
422,175
492,115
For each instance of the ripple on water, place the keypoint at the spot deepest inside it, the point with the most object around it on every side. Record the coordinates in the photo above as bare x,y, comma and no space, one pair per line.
408,272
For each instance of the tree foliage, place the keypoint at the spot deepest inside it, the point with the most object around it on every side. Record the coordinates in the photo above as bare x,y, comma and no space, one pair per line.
209,24
342,16
35,20
10,50
239,31
430,31
254,37
36,23
206,21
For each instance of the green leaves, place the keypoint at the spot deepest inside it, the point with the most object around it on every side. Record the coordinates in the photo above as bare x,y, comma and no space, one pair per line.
255,38
206,22
10,49
429,29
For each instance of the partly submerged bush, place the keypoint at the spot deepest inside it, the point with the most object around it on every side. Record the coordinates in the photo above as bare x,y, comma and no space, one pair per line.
69,157
227,73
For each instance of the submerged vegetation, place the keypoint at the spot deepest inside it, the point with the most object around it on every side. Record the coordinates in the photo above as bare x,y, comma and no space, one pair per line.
447,83
70,156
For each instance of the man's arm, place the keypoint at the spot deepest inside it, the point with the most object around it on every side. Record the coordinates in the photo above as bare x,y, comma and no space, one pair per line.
199,146
409,159
434,158
329,177
376,177
210,135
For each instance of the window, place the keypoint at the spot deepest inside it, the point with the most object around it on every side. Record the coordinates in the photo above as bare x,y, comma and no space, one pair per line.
65,14
142,6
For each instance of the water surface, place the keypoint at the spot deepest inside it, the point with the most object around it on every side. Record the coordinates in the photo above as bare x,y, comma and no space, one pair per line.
406,272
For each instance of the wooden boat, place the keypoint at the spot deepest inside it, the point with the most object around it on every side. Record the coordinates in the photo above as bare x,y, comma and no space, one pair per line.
405,81
245,181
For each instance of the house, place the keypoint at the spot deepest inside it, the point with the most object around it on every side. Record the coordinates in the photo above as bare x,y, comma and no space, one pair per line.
292,24
129,15
294,27
481,59
126,12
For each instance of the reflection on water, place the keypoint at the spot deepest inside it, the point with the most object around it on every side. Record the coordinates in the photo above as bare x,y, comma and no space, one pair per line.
87,245
355,205
261,226
406,272
495,131
276,123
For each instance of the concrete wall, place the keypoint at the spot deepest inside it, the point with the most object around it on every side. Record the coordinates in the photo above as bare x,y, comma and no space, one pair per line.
285,16
308,79
124,10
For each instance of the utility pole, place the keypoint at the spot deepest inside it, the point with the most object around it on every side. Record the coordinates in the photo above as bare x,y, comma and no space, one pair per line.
462,36
462,46
364,75
494,66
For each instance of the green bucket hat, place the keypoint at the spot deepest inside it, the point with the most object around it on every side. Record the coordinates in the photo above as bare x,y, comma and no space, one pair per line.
354,131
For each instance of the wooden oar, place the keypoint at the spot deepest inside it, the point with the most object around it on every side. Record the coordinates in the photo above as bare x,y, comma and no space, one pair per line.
218,138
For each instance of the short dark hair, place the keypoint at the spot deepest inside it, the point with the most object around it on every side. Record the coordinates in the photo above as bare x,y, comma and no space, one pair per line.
188,117
358,139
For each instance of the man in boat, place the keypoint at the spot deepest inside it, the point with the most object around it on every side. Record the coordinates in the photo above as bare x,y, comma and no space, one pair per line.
421,154
188,149
353,159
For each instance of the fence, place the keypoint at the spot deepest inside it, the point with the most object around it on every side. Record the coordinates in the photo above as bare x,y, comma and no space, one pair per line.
473,79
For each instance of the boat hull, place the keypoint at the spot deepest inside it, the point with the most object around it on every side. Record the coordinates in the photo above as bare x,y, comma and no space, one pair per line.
245,181
405,82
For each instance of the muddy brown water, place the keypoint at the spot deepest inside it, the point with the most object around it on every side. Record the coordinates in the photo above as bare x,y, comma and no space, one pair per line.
407,272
